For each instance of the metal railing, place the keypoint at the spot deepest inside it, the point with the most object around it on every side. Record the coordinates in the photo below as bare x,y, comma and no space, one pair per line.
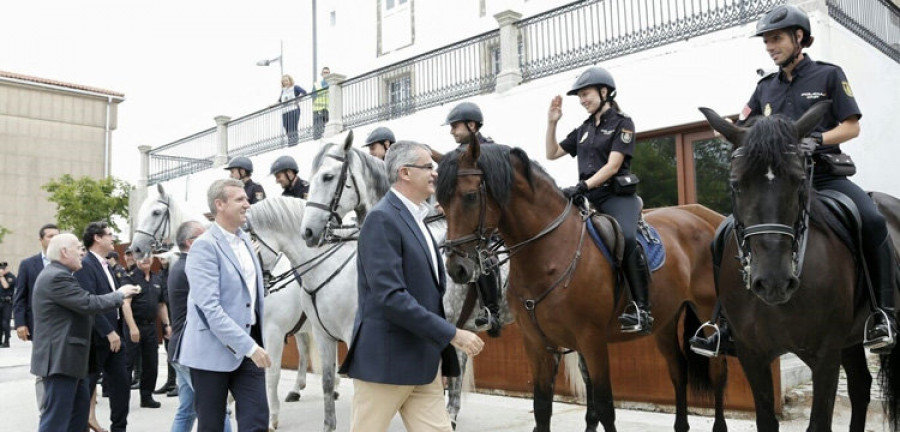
586,32
185,156
446,74
875,21
286,124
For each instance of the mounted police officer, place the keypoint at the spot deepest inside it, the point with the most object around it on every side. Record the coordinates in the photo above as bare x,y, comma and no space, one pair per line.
799,83
379,141
465,121
285,171
241,168
604,145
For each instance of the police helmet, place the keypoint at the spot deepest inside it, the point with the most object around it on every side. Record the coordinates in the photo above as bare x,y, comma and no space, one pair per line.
785,17
113,255
240,162
380,134
466,111
283,163
593,76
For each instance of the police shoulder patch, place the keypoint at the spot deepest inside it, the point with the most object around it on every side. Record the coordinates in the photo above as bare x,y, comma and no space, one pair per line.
847,89
627,136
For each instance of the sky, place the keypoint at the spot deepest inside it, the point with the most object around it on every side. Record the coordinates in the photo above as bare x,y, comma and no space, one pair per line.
179,64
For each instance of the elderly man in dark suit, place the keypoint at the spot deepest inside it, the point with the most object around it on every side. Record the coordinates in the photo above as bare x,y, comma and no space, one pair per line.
222,339
62,329
401,282
29,269
95,278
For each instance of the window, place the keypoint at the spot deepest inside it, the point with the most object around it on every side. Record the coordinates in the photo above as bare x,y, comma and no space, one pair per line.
400,96
395,25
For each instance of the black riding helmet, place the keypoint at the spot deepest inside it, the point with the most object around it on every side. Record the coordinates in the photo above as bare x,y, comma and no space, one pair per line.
240,162
284,163
594,76
466,111
786,17
379,135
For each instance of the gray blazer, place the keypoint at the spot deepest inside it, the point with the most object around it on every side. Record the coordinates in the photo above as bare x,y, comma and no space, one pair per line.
63,317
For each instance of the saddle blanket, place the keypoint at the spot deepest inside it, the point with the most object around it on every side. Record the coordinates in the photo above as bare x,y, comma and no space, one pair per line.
654,250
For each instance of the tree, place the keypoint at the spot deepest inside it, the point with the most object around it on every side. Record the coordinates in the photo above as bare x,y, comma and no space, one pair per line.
85,200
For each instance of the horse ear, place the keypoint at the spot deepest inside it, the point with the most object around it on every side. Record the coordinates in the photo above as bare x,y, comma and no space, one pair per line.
811,118
160,189
348,142
733,133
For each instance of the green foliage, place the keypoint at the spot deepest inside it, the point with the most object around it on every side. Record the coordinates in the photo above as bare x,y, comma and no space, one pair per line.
85,200
655,163
3,232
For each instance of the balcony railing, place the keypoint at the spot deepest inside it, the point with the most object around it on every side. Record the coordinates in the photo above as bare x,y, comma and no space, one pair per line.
875,21
565,38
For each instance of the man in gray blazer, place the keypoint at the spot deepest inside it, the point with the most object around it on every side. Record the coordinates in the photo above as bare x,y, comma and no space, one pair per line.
63,317
222,340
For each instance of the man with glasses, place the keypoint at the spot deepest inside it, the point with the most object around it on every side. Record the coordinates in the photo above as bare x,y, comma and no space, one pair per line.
96,278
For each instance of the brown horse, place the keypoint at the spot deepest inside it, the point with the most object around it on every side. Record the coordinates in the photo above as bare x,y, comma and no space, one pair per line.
562,288
779,299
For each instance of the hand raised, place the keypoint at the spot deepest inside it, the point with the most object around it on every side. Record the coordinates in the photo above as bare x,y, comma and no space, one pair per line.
555,112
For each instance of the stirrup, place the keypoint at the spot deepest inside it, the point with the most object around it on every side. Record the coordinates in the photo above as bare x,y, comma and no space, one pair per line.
636,327
876,344
716,333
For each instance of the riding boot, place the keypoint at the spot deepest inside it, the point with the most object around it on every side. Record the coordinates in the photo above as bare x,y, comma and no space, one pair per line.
710,346
489,290
637,317
881,336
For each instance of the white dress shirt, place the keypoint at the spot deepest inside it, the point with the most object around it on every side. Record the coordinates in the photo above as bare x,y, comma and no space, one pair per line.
248,269
419,212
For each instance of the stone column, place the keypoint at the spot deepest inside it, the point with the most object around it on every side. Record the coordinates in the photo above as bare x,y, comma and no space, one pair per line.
335,123
222,140
510,74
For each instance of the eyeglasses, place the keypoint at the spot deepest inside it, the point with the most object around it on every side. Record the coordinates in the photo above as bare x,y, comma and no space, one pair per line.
429,166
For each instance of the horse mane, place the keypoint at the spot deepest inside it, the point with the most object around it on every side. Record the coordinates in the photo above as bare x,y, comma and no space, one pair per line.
767,145
277,214
372,168
494,162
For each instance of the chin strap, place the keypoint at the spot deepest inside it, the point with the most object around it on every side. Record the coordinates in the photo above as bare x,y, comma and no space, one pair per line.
797,49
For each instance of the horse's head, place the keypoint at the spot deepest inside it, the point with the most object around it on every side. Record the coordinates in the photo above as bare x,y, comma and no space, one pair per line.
473,186
154,224
770,187
344,179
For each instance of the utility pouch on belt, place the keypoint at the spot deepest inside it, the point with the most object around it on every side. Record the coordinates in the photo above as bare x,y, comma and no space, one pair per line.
838,164
625,184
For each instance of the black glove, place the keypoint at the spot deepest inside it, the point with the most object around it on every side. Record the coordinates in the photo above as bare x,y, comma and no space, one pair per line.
809,144
579,189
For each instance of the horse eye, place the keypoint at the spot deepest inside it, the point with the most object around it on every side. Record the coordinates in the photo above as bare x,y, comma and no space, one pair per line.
328,177
471,196
157,212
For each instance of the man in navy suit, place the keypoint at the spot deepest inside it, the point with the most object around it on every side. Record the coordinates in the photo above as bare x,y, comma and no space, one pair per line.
29,269
222,339
401,336
96,278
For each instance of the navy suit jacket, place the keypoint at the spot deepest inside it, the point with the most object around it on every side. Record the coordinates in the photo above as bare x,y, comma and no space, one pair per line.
178,297
400,335
29,269
92,278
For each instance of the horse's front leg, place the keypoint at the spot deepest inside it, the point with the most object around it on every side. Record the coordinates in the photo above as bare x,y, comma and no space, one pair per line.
275,344
454,388
757,368
328,357
600,398
544,366
825,367
859,385
302,341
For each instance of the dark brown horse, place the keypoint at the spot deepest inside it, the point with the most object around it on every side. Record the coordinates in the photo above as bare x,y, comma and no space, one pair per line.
562,288
779,301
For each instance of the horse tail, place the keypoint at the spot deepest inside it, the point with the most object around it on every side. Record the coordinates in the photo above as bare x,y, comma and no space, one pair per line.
889,380
699,381
574,376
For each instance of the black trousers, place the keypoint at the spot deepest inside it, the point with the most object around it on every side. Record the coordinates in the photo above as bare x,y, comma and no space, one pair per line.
625,209
66,404
320,118
116,380
247,384
290,120
874,227
147,349
6,308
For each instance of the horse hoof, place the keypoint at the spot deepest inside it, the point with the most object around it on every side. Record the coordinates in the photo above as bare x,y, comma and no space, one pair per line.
292,397
336,395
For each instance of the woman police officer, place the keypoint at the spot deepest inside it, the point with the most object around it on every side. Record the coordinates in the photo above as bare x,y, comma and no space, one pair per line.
604,145
799,83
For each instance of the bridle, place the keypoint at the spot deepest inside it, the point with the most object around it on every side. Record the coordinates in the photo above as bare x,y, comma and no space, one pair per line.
797,232
334,218
162,229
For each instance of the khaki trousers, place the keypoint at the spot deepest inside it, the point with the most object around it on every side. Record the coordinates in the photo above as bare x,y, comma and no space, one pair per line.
421,407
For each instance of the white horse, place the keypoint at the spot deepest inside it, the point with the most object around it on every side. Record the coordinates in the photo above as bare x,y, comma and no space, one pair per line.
159,219
364,183
329,293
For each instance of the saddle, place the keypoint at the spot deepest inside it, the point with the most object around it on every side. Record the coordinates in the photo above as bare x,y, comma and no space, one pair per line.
607,235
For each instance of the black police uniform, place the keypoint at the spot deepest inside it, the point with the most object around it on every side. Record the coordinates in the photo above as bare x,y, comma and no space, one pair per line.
255,192
812,82
298,190
144,308
6,308
592,144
